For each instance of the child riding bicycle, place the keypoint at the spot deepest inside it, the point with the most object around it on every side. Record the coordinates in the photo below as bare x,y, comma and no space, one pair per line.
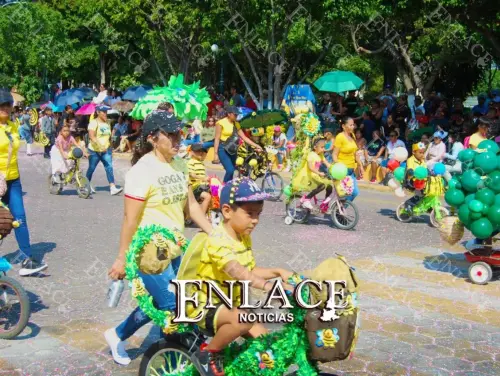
59,154
317,172
416,160
227,255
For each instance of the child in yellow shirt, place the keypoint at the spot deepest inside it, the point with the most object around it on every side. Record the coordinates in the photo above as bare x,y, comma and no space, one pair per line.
198,176
318,180
228,255
416,160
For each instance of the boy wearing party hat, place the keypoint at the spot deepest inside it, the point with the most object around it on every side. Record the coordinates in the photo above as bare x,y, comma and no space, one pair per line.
416,160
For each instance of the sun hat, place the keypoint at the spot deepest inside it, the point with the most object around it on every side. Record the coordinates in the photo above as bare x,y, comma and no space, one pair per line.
241,190
418,146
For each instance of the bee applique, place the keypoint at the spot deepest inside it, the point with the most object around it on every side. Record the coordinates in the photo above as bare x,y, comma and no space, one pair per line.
161,246
327,338
266,359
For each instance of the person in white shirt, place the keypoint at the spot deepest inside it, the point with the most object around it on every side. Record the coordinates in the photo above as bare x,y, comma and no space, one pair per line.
452,163
101,97
279,142
436,150
391,145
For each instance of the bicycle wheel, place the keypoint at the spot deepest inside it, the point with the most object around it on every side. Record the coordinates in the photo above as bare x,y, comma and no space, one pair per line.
436,217
83,186
14,308
166,358
345,215
54,188
273,185
402,215
295,210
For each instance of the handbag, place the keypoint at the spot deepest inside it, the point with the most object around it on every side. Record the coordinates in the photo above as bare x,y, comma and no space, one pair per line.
232,143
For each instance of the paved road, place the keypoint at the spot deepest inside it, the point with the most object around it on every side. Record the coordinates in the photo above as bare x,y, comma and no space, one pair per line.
420,315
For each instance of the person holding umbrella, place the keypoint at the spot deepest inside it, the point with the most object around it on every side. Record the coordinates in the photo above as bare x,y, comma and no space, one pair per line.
227,139
100,148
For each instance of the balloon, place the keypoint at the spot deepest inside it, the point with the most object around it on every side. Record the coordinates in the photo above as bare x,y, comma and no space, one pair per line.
392,164
498,162
466,155
454,184
419,184
393,184
469,198
485,161
464,214
253,162
467,165
489,145
338,171
486,196
399,192
470,180
485,210
474,216
287,191
400,154
494,214
493,181
421,172
476,206
399,174
454,197
439,168
482,228
497,200
239,161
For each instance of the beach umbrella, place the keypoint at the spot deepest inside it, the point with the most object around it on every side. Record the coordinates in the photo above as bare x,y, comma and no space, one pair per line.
86,109
85,92
134,93
263,118
70,96
338,82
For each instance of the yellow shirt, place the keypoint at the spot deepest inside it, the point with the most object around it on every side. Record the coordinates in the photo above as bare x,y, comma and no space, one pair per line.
412,163
476,139
10,130
219,250
347,150
163,187
103,134
196,167
227,128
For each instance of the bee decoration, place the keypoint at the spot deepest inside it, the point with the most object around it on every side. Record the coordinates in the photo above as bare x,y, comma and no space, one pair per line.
327,338
161,246
266,359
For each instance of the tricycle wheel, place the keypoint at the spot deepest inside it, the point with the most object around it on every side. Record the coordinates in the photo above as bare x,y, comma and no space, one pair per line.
443,212
402,214
480,273
288,220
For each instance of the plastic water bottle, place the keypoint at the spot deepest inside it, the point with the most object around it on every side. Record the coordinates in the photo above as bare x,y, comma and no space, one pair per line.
115,293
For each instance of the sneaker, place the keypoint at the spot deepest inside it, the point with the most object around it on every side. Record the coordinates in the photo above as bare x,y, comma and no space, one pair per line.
280,167
92,190
30,266
306,203
373,181
114,190
327,200
117,347
211,362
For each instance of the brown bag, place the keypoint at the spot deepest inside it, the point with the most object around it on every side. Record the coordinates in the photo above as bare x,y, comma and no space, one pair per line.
332,340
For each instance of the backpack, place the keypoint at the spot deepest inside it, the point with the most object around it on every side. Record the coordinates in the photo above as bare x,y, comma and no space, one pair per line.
333,340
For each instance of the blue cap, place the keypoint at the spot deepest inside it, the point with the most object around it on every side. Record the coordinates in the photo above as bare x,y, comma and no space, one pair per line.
442,135
241,190
103,108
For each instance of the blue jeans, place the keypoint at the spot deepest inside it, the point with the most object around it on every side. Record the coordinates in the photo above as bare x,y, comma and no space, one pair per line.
107,160
14,200
157,285
228,162
194,140
25,134
209,144
355,192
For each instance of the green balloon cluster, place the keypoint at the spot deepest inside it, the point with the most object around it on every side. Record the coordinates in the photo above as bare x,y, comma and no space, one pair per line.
476,192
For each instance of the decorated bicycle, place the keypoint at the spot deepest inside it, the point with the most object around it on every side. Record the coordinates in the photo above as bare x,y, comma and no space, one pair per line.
309,180
73,177
475,195
314,335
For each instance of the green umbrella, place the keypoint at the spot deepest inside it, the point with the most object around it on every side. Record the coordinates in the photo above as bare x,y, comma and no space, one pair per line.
338,82
263,118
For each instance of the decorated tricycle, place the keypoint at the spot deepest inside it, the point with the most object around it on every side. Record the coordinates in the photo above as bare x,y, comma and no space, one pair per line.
305,341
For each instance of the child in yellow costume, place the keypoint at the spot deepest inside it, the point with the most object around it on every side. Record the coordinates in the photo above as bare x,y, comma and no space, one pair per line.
310,176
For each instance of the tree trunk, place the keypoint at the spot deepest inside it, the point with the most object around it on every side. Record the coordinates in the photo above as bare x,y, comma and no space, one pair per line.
102,59
242,77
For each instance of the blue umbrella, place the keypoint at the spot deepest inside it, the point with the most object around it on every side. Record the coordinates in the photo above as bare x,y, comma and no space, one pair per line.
86,92
70,96
134,93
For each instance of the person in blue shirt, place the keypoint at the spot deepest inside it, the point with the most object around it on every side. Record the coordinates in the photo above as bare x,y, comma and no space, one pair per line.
481,108
119,130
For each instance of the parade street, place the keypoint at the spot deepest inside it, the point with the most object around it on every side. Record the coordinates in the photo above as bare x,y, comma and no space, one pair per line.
420,315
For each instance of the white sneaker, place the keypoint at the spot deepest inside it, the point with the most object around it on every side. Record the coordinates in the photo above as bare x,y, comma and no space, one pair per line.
92,190
117,347
307,204
114,190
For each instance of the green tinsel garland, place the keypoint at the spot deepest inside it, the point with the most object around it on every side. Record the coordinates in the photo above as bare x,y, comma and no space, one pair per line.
289,346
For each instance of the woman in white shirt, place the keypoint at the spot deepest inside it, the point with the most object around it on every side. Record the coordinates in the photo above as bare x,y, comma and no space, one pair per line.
452,162
436,150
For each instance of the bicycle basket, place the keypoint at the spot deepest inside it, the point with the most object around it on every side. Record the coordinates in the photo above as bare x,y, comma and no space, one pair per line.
345,187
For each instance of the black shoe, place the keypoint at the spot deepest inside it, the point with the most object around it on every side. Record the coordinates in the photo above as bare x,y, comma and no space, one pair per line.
212,363
30,266
46,156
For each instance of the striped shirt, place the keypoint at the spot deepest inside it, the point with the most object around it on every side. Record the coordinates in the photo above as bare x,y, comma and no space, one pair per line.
196,167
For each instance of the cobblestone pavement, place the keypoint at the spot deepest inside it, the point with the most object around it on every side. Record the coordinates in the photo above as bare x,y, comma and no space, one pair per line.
420,314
